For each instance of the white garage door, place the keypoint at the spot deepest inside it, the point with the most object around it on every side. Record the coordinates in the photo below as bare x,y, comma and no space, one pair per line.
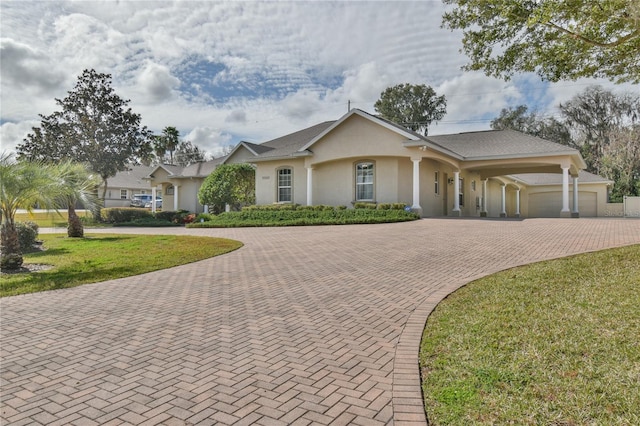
549,204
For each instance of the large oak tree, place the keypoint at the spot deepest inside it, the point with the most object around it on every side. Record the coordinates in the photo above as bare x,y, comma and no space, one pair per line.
94,126
412,106
604,126
557,39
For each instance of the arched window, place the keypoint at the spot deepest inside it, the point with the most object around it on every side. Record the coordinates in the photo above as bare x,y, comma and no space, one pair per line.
285,185
364,181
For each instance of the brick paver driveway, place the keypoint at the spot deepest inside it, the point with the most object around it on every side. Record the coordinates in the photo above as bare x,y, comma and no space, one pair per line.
313,325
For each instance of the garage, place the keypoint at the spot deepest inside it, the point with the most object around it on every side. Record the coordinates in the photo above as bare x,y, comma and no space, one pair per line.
549,204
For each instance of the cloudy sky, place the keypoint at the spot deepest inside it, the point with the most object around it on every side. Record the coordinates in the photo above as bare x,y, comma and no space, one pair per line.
222,72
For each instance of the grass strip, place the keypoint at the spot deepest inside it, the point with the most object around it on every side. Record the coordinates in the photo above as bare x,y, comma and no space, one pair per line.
102,257
51,218
555,342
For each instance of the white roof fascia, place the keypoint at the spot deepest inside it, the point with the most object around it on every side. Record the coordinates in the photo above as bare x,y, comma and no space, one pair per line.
363,115
511,156
431,145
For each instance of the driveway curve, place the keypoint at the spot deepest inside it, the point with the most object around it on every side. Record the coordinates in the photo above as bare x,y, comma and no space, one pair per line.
303,325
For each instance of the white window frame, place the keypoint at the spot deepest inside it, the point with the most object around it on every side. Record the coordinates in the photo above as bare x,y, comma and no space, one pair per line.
124,194
362,180
280,186
436,186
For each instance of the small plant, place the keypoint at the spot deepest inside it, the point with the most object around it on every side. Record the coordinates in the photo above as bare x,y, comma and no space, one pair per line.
27,235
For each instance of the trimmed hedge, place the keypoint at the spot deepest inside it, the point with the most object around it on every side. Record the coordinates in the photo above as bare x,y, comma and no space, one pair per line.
304,216
123,214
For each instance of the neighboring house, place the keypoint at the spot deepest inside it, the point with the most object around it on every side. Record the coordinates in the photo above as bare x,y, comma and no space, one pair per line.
124,185
364,158
178,186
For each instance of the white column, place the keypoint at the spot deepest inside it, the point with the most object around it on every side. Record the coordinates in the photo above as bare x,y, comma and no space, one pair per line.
416,183
456,193
484,212
575,212
206,208
518,202
309,186
175,198
503,206
565,193
153,199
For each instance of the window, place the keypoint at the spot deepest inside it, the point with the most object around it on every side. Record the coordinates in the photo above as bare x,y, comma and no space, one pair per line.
123,194
461,189
169,190
284,185
436,186
364,181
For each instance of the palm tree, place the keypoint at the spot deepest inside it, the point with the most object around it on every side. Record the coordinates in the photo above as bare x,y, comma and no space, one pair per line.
77,184
171,138
22,186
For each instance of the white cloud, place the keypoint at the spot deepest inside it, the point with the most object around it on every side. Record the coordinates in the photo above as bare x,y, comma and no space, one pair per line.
209,140
13,134
157,82
236,116
23,67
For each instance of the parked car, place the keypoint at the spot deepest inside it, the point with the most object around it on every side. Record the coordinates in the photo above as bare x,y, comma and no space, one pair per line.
139,200
158,204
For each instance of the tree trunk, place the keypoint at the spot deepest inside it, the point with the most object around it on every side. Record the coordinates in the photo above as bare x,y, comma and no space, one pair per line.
10,254
75,229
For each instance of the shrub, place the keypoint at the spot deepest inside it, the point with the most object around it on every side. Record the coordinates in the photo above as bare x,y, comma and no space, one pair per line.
123,214
179,216
204,217
287,206
371,206
27,235
304,216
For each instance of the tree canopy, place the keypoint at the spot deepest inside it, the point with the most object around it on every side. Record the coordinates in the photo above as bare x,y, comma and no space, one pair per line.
557,39
188,153
602,125
94,126
232,184
412,106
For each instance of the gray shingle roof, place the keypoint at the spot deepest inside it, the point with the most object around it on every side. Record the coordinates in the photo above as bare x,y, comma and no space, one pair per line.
132,178
201,169
498,143
289,144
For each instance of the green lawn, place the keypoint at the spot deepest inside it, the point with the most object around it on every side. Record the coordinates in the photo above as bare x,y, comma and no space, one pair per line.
49,219
103,257
553,343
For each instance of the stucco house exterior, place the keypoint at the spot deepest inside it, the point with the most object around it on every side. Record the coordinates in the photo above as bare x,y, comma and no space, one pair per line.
364,158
